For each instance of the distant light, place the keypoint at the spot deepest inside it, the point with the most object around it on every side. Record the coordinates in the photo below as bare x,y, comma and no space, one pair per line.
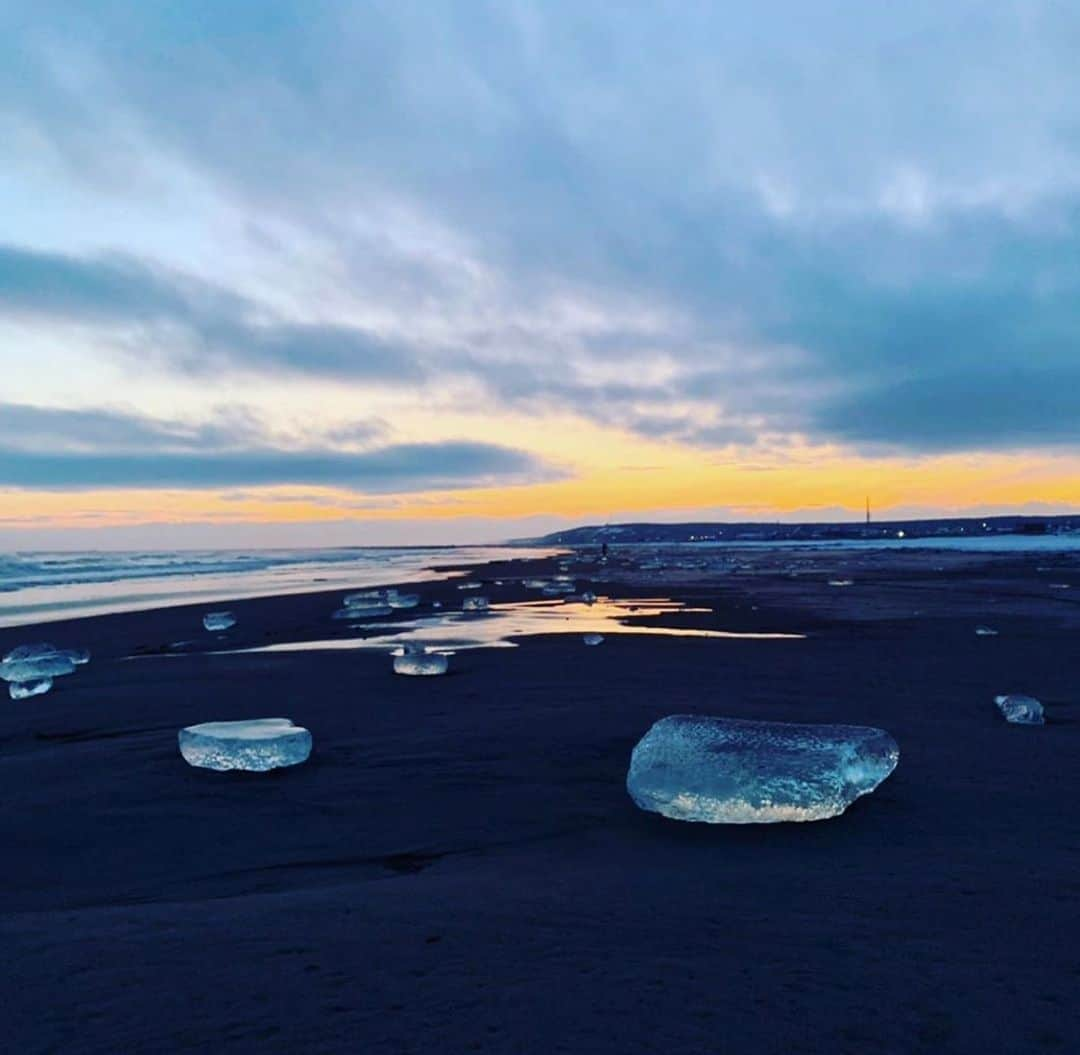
899,534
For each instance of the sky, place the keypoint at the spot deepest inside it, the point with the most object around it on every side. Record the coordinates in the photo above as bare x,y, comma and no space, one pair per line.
320,273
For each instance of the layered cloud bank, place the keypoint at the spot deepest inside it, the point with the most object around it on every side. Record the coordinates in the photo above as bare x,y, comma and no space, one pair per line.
503,260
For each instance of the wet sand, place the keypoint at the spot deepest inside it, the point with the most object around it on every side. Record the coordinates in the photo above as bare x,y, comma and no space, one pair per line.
458,868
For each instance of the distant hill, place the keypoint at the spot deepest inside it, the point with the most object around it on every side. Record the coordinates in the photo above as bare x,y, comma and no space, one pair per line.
596,534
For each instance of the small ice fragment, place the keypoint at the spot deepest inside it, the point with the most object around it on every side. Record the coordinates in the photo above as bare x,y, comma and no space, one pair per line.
365,599
1059,586
534,584
218,620
985,631
1020,710
841,582
469,585
588,597
593,639
474,604
436,604
403,600
256,745
359,612
729,771
23,690
418,661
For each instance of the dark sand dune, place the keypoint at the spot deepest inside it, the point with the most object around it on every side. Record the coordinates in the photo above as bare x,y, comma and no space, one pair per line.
458,868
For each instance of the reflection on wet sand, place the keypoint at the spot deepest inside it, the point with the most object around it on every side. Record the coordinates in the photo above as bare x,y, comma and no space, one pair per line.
497,626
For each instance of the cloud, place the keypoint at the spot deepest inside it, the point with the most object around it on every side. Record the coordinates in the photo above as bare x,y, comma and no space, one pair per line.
55,449
28,428
994,409
397,468
711,226
189,324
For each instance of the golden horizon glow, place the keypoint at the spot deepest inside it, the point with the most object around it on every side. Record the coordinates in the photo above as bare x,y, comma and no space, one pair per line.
662,477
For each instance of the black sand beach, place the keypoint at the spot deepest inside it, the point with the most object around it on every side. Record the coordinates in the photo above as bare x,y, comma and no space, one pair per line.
459,868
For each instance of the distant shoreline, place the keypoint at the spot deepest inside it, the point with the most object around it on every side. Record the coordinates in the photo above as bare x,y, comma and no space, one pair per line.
772,531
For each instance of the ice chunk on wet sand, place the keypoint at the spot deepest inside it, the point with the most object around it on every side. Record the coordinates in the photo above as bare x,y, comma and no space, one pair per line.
256,745
985,631
730,771
415,659
364,599
593,639
51,665
218,620
1018,709
30,669
362,612
474,604
558,589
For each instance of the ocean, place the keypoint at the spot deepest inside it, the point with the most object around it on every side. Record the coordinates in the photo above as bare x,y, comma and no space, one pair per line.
46,586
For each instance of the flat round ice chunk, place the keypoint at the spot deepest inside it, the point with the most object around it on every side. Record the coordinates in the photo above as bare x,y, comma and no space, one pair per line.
729,771
421,663
255,745
593,639
1020,710
47,666
218,620
474,604
357,611
403,600
23,690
